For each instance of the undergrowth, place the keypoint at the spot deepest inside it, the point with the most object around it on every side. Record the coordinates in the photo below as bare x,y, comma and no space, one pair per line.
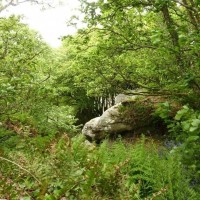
71,169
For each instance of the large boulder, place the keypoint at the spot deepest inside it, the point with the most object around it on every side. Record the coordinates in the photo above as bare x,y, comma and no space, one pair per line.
109,123
123,97
129,114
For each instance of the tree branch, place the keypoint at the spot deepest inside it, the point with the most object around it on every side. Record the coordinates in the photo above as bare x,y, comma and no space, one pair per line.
19,166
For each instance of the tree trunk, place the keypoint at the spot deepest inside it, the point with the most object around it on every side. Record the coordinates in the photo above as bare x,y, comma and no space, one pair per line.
173,33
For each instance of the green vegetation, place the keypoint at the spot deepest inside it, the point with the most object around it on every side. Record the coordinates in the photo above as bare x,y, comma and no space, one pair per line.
68,168
46,95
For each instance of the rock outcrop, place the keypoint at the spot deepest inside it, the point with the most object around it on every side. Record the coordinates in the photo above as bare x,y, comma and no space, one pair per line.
129,114
110,122
123,97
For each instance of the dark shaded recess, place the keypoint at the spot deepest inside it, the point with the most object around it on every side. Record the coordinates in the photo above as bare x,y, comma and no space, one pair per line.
86,115
94,107
157,130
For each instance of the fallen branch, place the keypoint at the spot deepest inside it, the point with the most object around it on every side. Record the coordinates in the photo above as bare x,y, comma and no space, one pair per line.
10,161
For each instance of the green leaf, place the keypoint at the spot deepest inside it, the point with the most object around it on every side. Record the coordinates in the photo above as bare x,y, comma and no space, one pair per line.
181,113
196,122
192,138
193,128
185,125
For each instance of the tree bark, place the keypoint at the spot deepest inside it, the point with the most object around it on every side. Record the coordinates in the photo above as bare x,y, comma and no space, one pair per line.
173,33
193,18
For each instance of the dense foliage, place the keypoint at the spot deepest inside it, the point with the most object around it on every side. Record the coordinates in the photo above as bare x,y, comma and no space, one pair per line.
68,168
25,83
137,44
46,94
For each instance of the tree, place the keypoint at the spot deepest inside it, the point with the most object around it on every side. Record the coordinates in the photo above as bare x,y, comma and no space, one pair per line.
4,4
27,94
150,44
22,65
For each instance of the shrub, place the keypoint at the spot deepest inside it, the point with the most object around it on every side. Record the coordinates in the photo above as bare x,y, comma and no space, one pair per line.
185,131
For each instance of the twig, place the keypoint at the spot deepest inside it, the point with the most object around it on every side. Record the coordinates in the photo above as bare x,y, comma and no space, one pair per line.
10,161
